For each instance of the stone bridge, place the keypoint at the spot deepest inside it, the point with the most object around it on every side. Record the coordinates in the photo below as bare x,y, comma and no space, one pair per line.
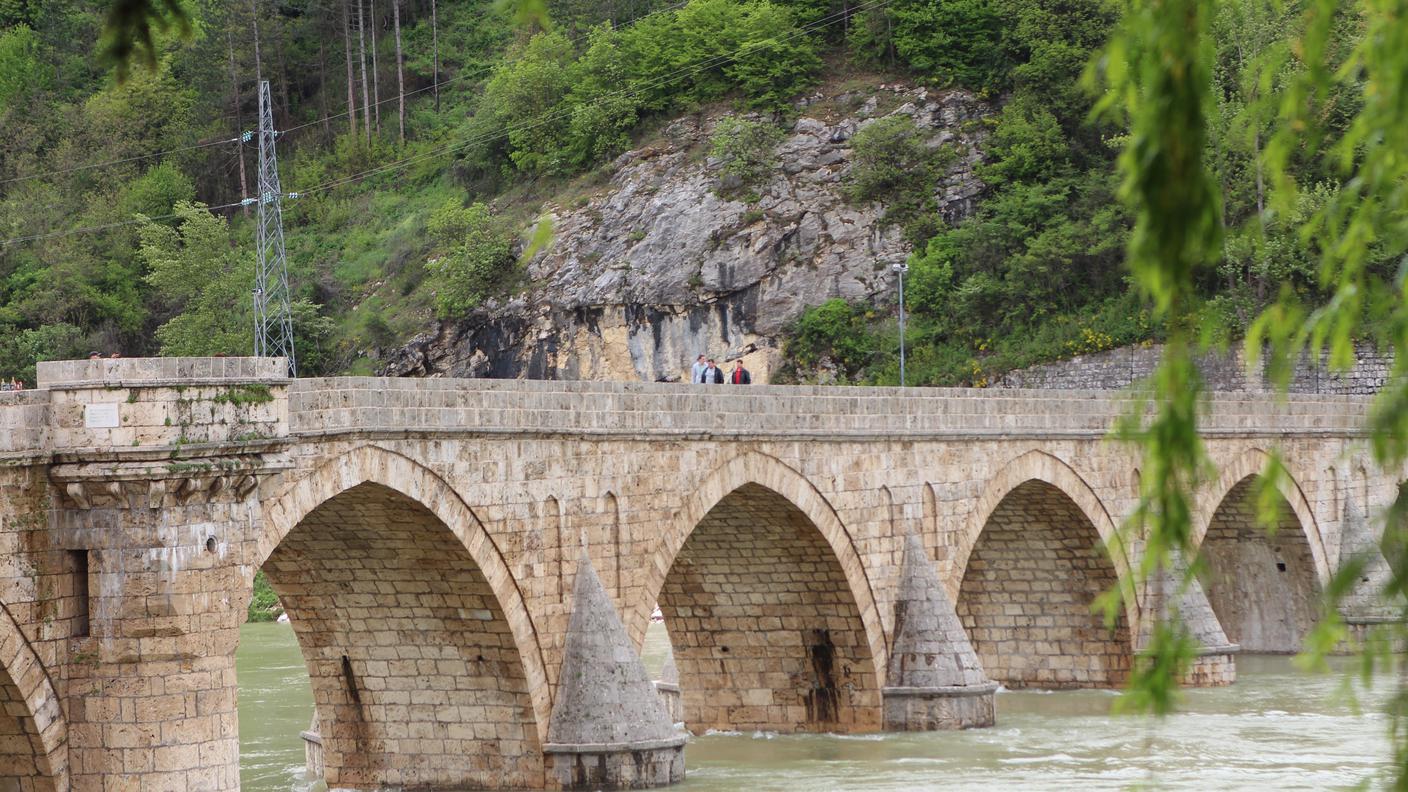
470,566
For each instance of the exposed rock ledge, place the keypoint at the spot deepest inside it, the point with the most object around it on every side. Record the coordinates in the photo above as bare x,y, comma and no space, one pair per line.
657,267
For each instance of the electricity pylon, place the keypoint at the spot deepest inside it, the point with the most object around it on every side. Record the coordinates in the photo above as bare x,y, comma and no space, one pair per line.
273,320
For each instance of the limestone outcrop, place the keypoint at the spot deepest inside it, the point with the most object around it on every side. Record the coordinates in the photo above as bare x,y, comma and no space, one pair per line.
661,264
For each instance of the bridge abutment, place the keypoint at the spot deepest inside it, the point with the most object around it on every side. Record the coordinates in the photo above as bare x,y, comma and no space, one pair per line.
156,495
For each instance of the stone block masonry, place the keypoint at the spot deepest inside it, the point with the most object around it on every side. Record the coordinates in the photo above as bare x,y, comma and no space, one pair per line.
1222,372
426,538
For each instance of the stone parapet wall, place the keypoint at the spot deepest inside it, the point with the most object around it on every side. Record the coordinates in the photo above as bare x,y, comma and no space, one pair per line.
345,404
24,422
1222,372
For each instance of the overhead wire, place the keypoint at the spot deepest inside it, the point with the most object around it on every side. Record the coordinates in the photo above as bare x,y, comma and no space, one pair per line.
110,163
107,226
475,73
546,118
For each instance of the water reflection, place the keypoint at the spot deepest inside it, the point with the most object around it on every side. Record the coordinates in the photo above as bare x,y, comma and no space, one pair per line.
1276,728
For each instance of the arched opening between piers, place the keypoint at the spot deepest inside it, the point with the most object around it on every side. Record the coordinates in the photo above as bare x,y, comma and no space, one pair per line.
1262,584
766,629
1028,593
417,675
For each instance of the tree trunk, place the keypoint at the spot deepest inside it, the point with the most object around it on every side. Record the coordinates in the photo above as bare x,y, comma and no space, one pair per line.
280,50
239,114
376,84
400,73
351,78
323,91
254,22
435,54
362,53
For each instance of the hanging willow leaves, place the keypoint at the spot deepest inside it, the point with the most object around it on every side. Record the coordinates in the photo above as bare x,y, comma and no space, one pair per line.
1156,75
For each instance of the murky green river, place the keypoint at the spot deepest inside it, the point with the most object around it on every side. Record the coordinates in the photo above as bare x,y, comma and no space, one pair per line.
1276,728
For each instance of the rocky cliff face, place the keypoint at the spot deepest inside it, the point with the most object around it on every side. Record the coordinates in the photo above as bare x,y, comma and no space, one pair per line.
657,267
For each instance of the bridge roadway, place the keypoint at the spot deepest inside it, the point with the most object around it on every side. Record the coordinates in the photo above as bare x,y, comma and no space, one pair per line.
470,565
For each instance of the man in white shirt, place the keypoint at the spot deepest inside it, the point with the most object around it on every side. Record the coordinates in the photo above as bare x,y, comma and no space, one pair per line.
696,374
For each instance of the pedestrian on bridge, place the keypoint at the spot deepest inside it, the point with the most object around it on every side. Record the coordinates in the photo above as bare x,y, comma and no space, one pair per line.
740,375
696,373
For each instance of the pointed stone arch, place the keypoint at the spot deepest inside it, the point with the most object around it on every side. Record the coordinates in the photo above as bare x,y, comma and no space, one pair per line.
767,490
1049,469
1040,548
33,730
1263,587
422,487
1250,464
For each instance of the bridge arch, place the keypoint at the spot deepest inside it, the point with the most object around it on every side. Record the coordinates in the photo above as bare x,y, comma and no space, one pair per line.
1264,588
752,651
33,731
1249,465
1040,548
411,624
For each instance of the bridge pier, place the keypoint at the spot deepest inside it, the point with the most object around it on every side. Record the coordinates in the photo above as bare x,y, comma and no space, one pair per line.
934,679
609,728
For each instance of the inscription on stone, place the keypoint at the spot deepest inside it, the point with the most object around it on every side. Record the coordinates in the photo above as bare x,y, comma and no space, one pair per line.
100,416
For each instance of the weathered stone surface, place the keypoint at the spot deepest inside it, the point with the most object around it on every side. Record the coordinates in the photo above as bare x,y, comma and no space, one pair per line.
772,522
1122,367
609,728
932,664
604,695
659,267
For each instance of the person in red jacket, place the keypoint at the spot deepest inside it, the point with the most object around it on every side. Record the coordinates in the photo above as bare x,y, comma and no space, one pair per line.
740,375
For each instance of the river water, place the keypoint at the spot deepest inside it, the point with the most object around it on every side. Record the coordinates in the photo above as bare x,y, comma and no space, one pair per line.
1277,728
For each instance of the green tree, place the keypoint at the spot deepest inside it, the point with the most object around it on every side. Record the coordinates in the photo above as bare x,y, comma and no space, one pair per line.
745,149
203,283
476,253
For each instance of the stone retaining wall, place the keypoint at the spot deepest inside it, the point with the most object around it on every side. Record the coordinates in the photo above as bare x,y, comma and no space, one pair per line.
1222,372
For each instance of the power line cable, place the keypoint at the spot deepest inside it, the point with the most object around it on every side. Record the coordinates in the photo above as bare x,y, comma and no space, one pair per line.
477,72
111,163
91,229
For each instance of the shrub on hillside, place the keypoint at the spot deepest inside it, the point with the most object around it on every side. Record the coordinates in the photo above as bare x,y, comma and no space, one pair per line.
476,252
745,149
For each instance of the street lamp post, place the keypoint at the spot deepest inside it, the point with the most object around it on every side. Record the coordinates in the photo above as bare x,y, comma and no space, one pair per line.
901,268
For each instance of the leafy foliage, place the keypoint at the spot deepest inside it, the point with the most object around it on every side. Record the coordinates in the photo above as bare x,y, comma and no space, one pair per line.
477,254
745,150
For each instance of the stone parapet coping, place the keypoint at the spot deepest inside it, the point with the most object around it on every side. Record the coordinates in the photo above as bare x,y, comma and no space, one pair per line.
195,382
154,372
668,687
1350,618
616,747
470,430
1225,649
948,691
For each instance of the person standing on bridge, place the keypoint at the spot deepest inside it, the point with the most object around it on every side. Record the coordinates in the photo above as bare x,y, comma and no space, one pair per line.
712,374
696,373
740,375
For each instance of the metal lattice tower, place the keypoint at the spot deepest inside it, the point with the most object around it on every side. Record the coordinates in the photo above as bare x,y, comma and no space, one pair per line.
273,320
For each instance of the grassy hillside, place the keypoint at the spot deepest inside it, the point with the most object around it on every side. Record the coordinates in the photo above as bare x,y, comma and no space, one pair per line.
103,185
